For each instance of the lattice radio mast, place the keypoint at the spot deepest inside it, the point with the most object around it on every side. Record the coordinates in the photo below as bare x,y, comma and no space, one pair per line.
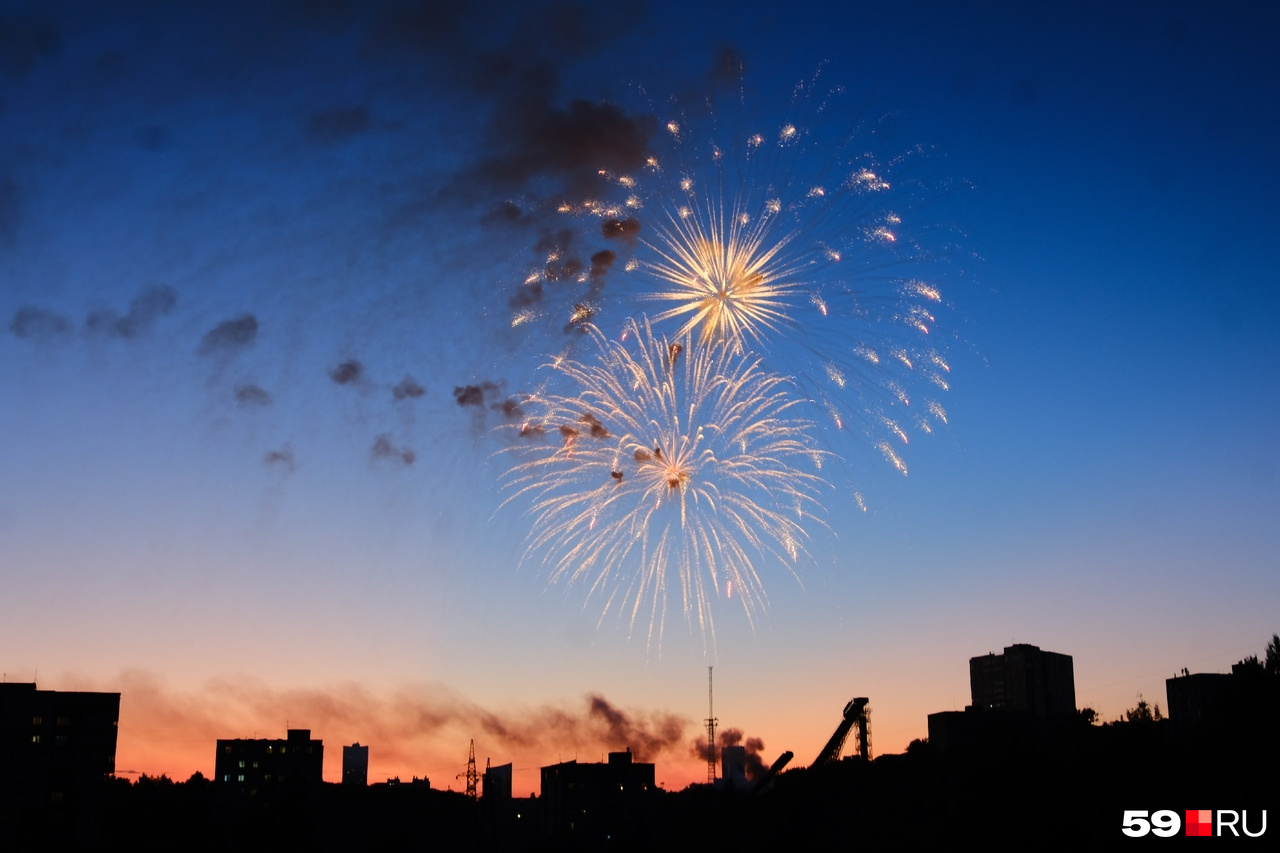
711,733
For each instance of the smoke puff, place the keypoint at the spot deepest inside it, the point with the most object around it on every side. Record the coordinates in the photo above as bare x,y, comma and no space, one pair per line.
38,324
282,457
601,261
575,144
230,335
510,407
645,738
530,293
144,310
507,211
407,388
754,746
252,395
625,230
473,395
347,372
562,265
383,449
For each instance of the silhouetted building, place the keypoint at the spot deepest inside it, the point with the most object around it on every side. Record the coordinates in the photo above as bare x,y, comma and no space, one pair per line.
497,808
262,767
497,782
1196,698
1024,680
355,765
57,748
1239,706
594,802
733,765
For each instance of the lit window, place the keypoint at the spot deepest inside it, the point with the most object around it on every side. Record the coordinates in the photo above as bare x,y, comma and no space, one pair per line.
35,738
64,721
37,721
242,765
240,777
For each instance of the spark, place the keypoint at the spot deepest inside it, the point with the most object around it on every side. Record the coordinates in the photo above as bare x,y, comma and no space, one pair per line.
696,476
894,459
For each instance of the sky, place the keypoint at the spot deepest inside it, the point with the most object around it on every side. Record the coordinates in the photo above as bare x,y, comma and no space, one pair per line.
260,266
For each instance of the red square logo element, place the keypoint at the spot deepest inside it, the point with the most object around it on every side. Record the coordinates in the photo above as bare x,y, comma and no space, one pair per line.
1199,822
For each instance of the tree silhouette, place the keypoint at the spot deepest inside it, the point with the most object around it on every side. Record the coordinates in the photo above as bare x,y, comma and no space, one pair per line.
1143,713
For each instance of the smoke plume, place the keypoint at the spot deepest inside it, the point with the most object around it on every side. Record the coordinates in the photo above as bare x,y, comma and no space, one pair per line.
144,310
410,730
347,373
407,389
754,746
38,324
230,336
282,458
252,396
384,449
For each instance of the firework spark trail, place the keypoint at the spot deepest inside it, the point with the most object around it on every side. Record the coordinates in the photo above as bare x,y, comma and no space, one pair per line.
679,465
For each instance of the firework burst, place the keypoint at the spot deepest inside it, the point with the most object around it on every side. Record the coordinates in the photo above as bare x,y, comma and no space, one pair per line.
671,471
791,239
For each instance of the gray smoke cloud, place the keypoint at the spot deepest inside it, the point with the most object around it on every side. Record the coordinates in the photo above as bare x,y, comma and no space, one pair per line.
754,746
407,389
282,458
347,373
252,396
230,336
410,726
144,310
384,449
38,324
473,395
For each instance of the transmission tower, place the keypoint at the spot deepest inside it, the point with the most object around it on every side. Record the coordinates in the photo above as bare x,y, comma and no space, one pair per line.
711,733
473,777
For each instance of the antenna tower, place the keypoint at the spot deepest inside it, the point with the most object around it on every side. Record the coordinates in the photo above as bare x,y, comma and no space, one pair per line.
711,733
